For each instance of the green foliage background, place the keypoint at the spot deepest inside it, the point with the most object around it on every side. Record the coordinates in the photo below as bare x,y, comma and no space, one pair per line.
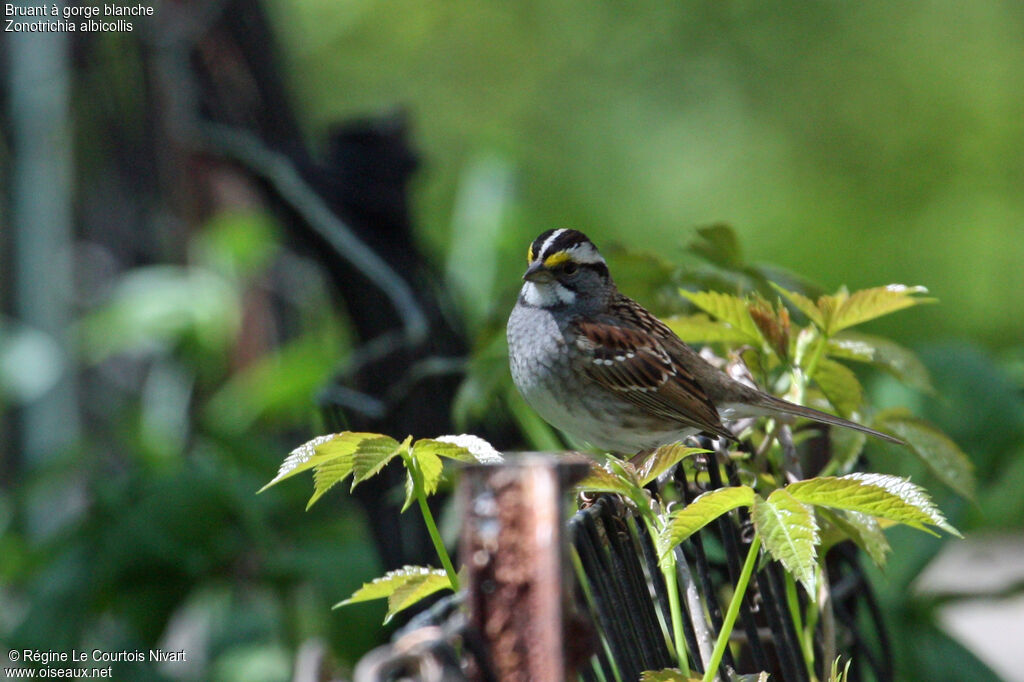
852,143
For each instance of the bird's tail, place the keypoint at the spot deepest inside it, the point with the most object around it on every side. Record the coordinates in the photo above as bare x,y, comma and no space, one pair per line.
777,404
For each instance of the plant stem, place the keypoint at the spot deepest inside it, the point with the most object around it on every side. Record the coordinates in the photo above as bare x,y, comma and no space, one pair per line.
734,609
805,634
667,565
668,569
816,358
428,519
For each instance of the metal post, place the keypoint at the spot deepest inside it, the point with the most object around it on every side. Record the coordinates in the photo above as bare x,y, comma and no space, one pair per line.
515,554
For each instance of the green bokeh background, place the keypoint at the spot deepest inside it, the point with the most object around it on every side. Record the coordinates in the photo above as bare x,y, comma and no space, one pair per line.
855,143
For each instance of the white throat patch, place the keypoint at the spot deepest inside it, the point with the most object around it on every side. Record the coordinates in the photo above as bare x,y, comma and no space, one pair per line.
547,295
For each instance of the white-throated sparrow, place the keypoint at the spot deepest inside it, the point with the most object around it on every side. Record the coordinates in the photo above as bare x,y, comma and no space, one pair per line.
597,365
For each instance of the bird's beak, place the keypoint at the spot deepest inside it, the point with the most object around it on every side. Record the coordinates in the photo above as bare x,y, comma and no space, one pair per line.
537,273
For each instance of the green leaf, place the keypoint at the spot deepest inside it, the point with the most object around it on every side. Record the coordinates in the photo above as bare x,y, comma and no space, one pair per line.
663,459
415,590
410,491
464,448
840,385
835,675
803,304
322,450
790,534
431,467
867,304
887,497
932,446
718,244
328,475
700,328
861,528
729,309
707,507
888,355
830,306
600,480
402,588
371,456
384,586
845,347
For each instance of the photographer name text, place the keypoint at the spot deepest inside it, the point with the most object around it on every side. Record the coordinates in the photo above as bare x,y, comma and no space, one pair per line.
49,657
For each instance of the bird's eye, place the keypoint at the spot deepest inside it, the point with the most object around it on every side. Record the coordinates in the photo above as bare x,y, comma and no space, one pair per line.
570,268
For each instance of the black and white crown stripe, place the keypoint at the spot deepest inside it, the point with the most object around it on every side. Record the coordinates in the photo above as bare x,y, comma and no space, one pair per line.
575,243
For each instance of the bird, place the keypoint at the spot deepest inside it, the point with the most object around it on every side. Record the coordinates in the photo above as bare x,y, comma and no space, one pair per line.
597,365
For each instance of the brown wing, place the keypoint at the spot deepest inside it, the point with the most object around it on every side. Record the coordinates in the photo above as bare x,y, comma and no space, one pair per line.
645,368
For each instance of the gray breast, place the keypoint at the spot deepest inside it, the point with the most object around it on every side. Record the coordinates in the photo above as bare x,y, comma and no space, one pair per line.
540,364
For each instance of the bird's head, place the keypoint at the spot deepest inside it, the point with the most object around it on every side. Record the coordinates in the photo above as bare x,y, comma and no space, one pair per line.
564,268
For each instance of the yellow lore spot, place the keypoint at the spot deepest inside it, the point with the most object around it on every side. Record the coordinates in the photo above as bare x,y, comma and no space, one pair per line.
556,259
529,254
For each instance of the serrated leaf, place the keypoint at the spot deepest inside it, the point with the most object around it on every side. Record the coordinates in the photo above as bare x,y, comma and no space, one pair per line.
663,459
464,448
840,385
600,480
384,586
867,304
888,355
789,533
431,468
328,475
830,307
932,446
887,497
729,309
699,328
402,588
321,450
803,304
415,590
845,347
707,507
371,456
862,529
718,244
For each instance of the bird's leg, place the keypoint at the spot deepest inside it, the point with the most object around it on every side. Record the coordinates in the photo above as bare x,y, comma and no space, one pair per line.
791,468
